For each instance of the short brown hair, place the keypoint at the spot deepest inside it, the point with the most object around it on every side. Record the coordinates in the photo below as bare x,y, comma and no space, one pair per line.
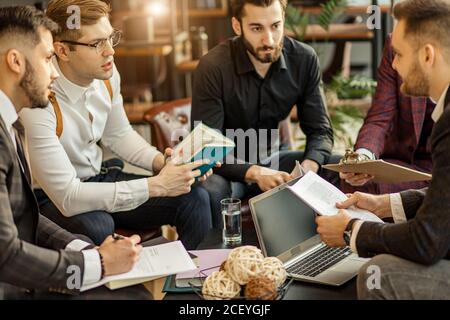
90,12
23,23
237,6
426,19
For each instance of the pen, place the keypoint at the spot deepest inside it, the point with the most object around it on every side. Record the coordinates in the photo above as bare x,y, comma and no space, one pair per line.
117,237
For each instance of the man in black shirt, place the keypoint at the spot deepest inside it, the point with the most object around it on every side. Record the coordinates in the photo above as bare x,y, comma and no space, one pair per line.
245,87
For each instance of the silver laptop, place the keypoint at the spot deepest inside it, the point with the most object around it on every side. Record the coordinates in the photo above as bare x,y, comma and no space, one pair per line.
286,229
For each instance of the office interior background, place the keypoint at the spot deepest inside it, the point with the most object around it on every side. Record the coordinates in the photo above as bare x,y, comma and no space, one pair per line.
164,39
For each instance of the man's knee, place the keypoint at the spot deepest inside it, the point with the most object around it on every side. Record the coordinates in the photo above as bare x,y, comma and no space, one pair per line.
96,225
217,186
371,283
199,195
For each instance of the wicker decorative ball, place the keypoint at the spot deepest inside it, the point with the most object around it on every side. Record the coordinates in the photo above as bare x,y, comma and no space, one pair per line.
223,266
261,288
244,263
220,286
273,269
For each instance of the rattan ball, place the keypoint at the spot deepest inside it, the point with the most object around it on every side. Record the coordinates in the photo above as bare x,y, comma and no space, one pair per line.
223,266
220,286
261,288
273,269
244,263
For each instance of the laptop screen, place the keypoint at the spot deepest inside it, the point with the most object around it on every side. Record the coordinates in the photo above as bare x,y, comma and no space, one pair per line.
284,221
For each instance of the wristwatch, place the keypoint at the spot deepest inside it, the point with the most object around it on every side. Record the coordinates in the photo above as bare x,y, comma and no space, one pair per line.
348,231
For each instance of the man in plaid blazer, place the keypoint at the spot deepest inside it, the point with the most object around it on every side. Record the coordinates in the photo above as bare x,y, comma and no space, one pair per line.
397,129
36,255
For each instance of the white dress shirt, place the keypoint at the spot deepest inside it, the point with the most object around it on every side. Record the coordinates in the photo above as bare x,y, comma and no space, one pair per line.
92,265
61,166
398,212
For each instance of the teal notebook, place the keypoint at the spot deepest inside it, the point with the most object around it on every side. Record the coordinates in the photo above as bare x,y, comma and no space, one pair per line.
170,286
215,154
203,143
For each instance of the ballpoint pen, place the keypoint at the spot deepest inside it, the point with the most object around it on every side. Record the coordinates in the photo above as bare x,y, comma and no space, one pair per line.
117,237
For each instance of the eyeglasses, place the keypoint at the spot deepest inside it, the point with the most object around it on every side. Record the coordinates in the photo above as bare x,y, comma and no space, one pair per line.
99,46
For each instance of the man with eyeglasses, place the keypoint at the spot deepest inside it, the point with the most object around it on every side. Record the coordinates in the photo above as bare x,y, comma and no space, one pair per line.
74,188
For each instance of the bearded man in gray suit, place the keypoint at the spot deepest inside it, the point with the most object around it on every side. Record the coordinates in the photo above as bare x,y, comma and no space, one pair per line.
36,255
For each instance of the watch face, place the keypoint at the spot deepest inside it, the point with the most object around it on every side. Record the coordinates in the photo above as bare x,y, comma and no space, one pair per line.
347,237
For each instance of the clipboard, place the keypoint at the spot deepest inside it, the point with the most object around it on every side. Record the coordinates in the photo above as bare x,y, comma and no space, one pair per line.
382,171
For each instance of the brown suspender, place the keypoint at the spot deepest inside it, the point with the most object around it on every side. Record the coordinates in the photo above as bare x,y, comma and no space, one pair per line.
57,108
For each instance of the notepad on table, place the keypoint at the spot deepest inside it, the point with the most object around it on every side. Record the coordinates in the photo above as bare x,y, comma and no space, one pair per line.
209,261
154,262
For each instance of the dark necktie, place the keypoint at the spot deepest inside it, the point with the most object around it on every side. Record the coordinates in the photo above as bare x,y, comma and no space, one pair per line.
20,132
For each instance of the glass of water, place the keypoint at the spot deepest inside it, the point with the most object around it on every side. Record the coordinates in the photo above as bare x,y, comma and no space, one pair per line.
232,223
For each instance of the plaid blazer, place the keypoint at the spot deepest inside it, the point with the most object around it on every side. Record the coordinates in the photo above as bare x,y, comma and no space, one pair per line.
31,246
394,123
425,237
397,129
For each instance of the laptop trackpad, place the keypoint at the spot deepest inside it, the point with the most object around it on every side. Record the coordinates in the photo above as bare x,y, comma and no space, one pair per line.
349,265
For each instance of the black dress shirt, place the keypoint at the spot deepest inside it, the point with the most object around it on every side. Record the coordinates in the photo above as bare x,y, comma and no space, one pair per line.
230,94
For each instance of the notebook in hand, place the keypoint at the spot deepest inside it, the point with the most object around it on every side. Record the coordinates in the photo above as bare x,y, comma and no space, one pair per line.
155,262
209,261
322,197
203,143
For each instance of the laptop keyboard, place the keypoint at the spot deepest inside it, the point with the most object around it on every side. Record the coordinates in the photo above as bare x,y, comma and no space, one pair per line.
318,261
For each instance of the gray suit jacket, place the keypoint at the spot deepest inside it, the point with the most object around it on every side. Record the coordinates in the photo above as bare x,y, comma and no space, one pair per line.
425,237
32,254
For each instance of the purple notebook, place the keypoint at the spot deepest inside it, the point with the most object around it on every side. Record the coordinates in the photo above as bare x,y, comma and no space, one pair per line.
208,260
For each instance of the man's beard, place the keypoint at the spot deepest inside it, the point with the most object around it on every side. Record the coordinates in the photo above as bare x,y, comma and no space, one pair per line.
36,96
264,57
416,84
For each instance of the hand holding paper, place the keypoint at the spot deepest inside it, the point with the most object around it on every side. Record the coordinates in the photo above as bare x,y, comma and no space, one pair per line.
323,196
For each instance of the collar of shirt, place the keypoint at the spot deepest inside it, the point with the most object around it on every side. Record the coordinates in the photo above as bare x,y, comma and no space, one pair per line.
73,91
244,64
8,113
439,110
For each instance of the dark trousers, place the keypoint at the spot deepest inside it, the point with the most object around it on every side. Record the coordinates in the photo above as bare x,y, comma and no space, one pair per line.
189,213
220,188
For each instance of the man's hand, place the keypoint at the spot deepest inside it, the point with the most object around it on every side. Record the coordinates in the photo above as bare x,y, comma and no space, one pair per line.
331,228
356,179
266,179
310,165
209,173
119,256
175,180
379,205
160,160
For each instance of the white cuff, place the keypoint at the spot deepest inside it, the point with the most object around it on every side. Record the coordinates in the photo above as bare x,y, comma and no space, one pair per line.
355,231
92,267
131,194
366,152
398,213
77,245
